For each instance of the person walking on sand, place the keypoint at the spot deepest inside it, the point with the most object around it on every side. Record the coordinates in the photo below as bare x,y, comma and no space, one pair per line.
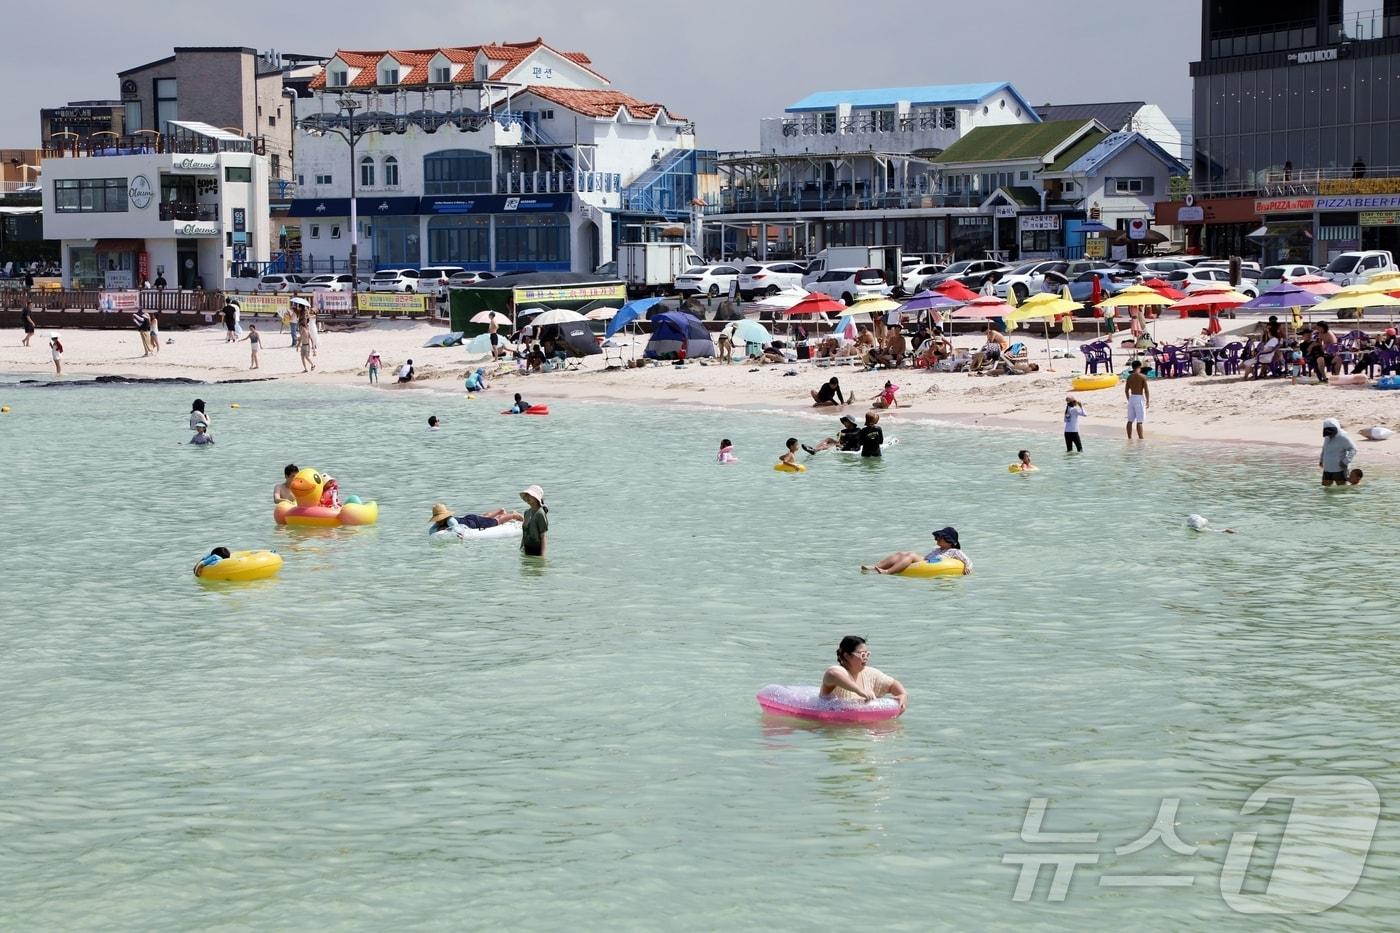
155,332
230,313
536,524
143,330
26,317
1136,391
254,343
56,349
306,364
373,363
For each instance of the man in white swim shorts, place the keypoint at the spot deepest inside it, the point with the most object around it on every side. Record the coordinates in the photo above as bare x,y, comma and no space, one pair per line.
1136,391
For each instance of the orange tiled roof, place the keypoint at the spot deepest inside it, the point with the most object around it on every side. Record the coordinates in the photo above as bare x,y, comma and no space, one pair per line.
507,55
596,103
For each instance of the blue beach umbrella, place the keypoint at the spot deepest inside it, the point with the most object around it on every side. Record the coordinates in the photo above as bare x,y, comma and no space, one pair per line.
629,313
749,331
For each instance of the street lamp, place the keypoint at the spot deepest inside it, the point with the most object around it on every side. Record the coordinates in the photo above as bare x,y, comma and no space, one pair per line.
352,135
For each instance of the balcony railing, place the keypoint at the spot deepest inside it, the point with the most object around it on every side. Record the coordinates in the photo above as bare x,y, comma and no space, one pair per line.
1277,183
817,125
558,182
145,143
744,202
184,210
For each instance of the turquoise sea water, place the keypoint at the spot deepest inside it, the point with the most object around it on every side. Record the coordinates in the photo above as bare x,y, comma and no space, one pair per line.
393,732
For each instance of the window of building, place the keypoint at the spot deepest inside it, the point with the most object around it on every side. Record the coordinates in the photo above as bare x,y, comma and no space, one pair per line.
1128,185
335,231
459,239
339,77
315,231
948,119
1069,186
90,195
388,76
546,114
396,242
367,172
166,103
323,179
131,116
457,171
276,163
442,74
1025,175
391,172
828,122
238,173
532,238
271,121
481,71
882,120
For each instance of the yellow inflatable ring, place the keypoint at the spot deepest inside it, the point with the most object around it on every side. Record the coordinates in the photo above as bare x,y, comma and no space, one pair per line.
241,565
789,468
1016,468
1090,383
946,567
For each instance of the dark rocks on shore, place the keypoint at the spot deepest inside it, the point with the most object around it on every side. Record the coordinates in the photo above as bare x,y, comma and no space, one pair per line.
128,380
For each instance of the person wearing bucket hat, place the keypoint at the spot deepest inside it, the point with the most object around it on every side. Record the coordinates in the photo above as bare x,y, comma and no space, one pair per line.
444,520
532,537
946,545
848,438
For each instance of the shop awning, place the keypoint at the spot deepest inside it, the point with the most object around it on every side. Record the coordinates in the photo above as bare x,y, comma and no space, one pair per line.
340,207
120,246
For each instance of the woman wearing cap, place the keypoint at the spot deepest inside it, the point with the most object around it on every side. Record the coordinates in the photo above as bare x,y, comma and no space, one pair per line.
444,520
852,679
1371,355
536,518
948,546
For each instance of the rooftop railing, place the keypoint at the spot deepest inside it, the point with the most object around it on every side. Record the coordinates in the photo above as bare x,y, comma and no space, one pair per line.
1277,183
148,142
868,122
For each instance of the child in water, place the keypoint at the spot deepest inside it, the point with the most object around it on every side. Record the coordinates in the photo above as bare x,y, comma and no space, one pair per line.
213,557
519,406
1023,462
790,455
202,436
726,452
1354,478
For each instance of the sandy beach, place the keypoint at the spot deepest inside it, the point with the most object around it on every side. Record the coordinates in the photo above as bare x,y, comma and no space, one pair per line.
1215,409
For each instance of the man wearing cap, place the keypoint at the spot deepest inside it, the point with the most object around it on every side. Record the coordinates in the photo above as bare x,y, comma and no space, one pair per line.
536,524
1338,450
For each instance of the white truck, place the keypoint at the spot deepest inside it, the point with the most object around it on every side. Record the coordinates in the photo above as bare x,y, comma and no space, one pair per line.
888,259
652,268
1352,267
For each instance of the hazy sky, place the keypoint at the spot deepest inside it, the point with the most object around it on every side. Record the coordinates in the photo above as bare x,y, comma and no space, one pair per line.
723,63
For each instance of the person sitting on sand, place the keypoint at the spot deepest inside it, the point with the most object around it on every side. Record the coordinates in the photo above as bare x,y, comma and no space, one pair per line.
476,382
444,520
852,679
726,452
202,437
789,456
948,546
885,397
519,406
848,438
933,350
212,558
829,394
996,344
282,492
772,353
406,372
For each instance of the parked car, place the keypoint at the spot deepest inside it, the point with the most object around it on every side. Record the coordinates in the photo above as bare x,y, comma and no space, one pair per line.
468,279
1153,268
281,282
916,273
768,278
1350,268
1028,278
340,282
711,280
850,285
433,280
971,272
1081,266
1081,287
1191,281
1270,276
394,280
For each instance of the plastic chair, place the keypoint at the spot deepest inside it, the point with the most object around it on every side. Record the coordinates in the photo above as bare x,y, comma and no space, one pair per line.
1230,359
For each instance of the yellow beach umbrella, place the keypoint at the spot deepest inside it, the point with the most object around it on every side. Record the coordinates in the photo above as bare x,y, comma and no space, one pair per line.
1042,305
1136,296
873,304
1349,302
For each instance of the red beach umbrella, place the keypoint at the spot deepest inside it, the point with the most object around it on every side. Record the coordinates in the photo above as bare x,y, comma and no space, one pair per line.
1164,289
955,290
816,303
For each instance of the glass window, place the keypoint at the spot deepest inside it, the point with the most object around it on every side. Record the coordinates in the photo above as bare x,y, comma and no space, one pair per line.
396,242
238,173
828,122
1278,99
532,238
339,78
389,76
131,116
459,239
166,109
90,195
367,171
391,172
442,74
457,171
1380,85
1247,101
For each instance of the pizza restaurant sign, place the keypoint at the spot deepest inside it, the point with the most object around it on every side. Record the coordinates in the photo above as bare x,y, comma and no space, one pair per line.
1340,202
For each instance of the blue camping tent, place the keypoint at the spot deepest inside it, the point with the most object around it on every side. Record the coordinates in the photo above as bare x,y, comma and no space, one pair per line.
671,330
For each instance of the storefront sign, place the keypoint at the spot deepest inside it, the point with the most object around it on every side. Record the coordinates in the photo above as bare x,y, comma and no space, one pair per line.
1284,205
1379,218
616,292
1095,248
240,219
392,304
192,164
1004,210
117,278
1358,202
1191,215
1137,229
139,192
1316,55
196,228
1040,221
495,204
974,221
118,300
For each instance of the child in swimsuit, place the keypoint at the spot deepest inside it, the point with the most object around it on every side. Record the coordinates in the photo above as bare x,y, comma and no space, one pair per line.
726,452
885,399
790,455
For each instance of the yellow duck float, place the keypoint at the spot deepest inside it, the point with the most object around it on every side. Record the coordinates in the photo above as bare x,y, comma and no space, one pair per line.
318,504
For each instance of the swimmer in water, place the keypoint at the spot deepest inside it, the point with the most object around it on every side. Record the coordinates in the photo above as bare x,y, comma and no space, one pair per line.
202,437
726,452
519,406
946,545
852,679
282,492
789,456
214,556
433,423
1023,462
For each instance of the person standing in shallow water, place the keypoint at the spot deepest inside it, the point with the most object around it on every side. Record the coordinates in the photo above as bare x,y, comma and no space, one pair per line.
536,523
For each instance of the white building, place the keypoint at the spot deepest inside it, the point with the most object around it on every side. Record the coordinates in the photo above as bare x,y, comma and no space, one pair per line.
189,213
1127,116
499,157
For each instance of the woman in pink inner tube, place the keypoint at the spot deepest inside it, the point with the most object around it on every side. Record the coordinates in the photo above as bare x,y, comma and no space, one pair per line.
852,679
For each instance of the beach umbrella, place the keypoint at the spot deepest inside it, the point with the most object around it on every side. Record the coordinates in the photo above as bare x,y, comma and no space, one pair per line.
1356,300
1317,285
488,317
955,290
629,313
601,314
481,343
747,331
1136,296
1164,289
984,306
816,303
1043,306
1286,297
1207,300
557,316
875,304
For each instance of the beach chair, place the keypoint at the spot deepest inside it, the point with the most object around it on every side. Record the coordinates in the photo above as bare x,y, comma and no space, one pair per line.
613,358
1230,358
1097,354
1016,353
